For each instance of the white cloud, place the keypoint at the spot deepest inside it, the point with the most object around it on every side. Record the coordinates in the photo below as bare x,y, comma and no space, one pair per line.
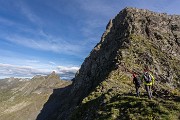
32,61
67,72
10,70
13,70
63,69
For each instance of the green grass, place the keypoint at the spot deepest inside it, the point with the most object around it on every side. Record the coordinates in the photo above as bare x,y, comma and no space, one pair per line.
127,107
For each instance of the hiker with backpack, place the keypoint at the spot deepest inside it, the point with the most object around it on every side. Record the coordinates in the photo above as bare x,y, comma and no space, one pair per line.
136,80
148,82
137,83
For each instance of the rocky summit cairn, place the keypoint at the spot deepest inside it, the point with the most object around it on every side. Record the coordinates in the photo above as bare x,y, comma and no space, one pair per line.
103,88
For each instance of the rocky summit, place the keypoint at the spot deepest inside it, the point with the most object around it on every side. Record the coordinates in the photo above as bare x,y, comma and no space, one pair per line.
103,89
23,99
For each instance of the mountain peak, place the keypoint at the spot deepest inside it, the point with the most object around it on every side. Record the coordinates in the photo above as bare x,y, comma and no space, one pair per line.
53,73
53,76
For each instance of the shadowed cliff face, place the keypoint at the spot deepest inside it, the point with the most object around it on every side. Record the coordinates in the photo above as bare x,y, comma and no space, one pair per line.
133,39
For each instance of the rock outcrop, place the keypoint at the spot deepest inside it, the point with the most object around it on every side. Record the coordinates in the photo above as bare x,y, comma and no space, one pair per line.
102,88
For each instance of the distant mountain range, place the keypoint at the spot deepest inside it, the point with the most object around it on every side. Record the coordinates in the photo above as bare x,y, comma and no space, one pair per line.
23,99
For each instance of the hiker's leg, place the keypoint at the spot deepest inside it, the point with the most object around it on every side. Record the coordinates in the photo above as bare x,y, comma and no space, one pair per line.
137,91
148,91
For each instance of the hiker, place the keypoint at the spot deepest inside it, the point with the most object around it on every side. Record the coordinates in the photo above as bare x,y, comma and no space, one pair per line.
148,82
137,83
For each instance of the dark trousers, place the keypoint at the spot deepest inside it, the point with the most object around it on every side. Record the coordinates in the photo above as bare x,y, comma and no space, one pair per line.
149,91
137,90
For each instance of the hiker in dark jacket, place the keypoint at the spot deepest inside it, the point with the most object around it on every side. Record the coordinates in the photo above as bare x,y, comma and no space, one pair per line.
148,82
137,84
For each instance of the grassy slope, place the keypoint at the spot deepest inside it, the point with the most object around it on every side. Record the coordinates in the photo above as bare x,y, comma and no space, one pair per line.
29,105
116,100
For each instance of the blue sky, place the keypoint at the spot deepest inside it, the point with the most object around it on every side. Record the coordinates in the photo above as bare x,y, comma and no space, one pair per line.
39,36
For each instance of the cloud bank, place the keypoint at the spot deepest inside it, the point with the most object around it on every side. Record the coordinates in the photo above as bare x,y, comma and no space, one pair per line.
8,70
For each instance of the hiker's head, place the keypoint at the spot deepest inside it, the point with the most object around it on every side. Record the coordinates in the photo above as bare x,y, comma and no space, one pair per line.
134,75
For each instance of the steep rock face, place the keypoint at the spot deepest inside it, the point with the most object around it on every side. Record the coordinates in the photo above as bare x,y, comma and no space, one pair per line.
133,39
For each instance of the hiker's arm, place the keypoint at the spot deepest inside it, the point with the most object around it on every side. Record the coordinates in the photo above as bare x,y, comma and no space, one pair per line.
133,81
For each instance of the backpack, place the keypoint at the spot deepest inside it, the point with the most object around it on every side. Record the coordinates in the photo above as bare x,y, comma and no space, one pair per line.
147,77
